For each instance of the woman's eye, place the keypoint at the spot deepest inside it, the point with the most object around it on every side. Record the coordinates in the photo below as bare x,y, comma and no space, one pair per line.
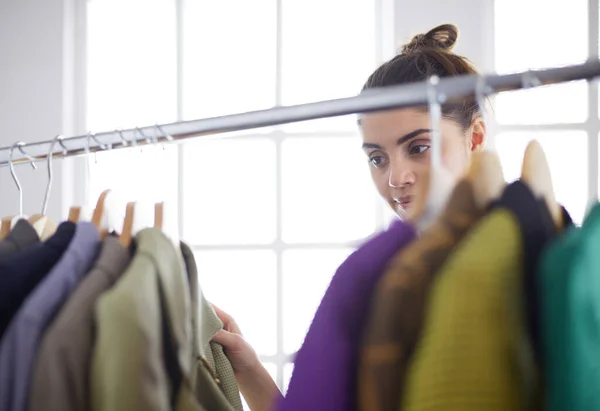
419,149
377,161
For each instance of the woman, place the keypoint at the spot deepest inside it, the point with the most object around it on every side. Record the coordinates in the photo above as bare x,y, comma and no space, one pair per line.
397,144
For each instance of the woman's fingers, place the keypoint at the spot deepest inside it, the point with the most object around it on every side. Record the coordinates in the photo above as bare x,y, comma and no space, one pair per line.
233,342
229,323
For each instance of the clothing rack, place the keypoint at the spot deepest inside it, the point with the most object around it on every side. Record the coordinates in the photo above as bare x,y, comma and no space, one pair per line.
402,96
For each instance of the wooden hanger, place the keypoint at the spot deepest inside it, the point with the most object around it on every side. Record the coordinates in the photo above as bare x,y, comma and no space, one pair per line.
35,218
159,215
74,214
98,214
535,172
6,226
486,177
127,231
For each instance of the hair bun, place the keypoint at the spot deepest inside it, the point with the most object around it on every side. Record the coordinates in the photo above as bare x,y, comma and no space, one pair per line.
441,37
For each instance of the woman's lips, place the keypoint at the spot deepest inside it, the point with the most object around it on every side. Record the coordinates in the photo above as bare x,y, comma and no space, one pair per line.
403,202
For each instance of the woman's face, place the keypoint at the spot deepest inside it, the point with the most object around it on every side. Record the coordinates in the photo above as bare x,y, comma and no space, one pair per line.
397,144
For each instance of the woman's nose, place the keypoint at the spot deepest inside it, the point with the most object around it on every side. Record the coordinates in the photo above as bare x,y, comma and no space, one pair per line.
400,178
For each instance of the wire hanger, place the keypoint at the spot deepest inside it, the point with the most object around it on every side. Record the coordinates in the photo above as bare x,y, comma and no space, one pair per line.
535,170
42,224
437,184
126,236
159,206
98,214
9,221
37,217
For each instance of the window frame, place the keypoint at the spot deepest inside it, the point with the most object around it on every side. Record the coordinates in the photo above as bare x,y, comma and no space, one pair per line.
383,49
592,124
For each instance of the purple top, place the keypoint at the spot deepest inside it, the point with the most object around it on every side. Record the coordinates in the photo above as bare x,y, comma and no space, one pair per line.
20,342
324,376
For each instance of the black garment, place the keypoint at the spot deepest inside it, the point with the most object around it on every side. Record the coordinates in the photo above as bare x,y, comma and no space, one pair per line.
566,218
21,237
21,273
537,229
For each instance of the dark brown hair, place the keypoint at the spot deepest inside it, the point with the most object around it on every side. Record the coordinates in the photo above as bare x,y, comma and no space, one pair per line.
427,55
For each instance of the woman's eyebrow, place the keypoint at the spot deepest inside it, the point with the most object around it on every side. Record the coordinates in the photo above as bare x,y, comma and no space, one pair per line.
401,140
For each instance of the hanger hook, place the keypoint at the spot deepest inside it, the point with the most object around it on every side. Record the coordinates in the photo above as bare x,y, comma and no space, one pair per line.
123,140
161,132
11,165
435,117
148,139
49,163
62,144
100,144
88,148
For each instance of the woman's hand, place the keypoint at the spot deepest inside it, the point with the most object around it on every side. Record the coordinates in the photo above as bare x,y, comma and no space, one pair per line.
255,382
242,356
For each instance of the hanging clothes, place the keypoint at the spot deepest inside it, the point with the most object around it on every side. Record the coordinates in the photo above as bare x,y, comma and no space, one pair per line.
61,378
19,345
399,302
570,305
325,366
22,272
21,237
129,370
213,378
475,352
537,231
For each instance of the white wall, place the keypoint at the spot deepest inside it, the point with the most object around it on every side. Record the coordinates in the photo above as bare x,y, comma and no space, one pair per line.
473,18
32,95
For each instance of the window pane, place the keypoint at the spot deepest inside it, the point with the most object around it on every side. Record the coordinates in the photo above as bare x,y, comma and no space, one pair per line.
242,283
306,276
534,34
562,103
288,369
328,51
229,191
565,151
272,370
328,194
131,67
229,56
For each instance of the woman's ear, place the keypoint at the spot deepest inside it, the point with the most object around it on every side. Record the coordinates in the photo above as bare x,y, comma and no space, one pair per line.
478,134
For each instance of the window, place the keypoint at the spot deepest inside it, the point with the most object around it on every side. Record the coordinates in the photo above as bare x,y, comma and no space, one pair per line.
557,116
267,223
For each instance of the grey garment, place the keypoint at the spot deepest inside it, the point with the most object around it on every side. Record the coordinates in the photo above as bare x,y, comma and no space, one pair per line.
213,368
61,378
20,342
22,236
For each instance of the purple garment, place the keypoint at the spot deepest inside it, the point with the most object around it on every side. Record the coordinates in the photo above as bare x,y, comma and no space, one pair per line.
19,345
324,376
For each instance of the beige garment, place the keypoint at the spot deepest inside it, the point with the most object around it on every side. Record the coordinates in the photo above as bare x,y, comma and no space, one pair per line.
144,334
213,377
